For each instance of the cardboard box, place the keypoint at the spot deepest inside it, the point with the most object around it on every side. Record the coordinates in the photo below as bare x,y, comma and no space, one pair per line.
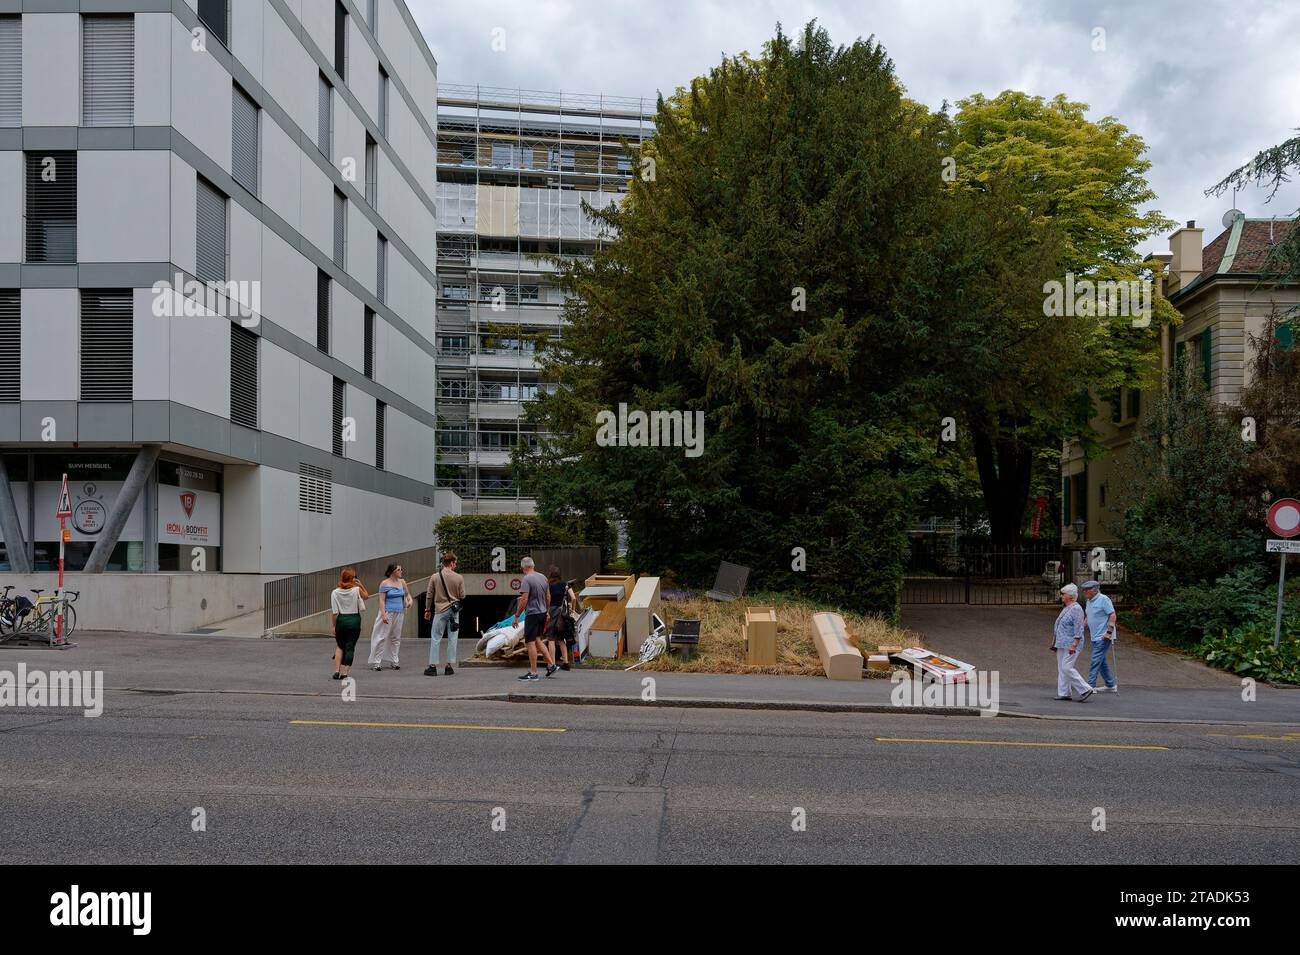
641,605
936,666
878,661
760,636
612,580
841,660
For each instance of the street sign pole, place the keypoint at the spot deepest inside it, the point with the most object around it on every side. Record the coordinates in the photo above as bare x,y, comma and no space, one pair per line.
1281,587
62,512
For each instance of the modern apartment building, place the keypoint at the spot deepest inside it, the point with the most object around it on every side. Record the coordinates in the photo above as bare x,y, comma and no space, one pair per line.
514,167
1225,294
217,284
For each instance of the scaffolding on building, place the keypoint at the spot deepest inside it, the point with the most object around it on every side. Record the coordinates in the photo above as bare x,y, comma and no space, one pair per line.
513,169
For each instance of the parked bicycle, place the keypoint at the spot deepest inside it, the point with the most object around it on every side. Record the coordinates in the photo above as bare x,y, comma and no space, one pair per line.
20,616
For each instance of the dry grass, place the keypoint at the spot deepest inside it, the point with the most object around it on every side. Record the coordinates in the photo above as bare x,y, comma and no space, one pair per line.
722,642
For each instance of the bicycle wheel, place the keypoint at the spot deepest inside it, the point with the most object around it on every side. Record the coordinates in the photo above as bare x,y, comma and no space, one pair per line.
69,619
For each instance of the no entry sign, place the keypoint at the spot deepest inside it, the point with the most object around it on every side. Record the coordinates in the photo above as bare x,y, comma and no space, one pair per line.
1284,517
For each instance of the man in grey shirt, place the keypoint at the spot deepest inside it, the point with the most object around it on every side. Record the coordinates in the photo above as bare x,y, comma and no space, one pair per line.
534,606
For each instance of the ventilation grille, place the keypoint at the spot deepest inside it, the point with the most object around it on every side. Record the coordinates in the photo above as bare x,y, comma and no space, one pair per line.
324,116
11,327
11,71
340,228
339,392
341,40
381,413
372,173
322,311
383,101
108,70
210,222
52,206
315,489
243,376
243,142
381,269
368,330
106,353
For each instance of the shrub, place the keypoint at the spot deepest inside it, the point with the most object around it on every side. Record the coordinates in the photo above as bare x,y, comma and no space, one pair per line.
1248,650
1191,613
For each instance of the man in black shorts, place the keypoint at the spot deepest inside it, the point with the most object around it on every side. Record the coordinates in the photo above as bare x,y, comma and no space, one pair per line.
534,606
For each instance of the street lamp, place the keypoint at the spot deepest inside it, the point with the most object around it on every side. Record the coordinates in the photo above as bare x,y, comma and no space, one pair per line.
1080,525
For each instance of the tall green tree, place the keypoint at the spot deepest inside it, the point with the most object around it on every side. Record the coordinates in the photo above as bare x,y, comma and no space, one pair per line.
1271,169
1053,171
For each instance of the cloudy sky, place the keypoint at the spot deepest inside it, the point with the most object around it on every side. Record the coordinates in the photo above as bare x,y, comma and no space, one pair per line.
1206,84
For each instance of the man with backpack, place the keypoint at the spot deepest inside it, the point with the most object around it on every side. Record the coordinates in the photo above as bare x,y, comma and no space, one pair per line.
442,603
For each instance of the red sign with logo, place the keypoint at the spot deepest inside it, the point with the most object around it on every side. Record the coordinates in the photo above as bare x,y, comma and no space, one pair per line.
489,584
514,583
187,502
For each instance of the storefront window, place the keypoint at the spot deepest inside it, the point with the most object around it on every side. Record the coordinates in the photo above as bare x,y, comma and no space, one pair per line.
94,482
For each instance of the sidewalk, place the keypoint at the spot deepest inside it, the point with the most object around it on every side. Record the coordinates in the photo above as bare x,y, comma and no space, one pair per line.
216,664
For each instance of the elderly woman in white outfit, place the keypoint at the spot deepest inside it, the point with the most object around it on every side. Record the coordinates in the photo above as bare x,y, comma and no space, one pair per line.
1069,634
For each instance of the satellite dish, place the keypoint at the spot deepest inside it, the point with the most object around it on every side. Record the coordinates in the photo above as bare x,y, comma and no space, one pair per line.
1231,216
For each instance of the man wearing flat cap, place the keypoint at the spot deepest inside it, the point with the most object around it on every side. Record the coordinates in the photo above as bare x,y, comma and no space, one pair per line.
1101,626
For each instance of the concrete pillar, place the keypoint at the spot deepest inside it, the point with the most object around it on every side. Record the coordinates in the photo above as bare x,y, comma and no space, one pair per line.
9,525
138,477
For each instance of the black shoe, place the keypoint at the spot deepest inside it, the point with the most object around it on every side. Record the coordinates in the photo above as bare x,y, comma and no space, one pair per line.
528,677
376,669
564,666
1086,696
447,670
1062,697
431,671
396,667
550,670
337,676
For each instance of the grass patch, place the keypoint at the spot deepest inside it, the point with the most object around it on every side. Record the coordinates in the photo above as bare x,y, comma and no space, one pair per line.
722,641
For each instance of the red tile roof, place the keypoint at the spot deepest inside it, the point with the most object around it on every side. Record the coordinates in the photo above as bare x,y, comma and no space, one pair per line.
1258,236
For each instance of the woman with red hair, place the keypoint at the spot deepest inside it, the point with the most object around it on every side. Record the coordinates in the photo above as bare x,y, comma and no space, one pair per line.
346,603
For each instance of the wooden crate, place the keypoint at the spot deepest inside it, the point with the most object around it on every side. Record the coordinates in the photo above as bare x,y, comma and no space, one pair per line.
760,636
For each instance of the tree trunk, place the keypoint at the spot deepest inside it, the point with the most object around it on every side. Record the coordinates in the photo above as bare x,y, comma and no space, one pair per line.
1006,465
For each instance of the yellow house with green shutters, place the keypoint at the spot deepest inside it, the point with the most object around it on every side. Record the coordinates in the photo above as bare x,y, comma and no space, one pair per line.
1225,298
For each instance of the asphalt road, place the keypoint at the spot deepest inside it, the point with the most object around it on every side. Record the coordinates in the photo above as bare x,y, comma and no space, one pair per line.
627,784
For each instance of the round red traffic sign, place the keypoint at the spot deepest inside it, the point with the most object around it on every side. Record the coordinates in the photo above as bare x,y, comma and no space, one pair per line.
514,583
489,584
1284,517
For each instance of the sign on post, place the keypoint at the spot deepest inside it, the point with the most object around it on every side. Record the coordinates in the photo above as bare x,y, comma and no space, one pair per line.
1284,521
63,511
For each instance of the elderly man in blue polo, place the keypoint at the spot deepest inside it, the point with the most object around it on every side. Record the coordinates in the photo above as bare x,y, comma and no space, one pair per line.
1068,635
1101,626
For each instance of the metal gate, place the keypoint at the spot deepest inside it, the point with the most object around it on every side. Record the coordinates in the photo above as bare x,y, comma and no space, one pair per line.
946,571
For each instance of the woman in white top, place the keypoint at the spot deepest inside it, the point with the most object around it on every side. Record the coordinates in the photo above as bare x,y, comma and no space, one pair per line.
346,603
386,637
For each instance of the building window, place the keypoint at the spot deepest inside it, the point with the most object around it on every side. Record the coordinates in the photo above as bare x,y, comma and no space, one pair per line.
210,240
1134,403
215,15
381,268
368,345
106,344
372,172
243,376
340,229
315,489
325,116
340,393
243,140
381,413
11,332
322,311
383,102
51,229
341,40
11,71
107,70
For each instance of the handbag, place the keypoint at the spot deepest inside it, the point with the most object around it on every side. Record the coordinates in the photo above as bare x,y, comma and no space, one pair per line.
453,624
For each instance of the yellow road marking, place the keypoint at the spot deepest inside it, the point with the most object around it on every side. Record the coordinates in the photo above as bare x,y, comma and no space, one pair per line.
996,742
432,726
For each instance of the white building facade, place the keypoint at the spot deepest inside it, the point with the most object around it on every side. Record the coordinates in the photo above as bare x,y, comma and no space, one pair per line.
274,160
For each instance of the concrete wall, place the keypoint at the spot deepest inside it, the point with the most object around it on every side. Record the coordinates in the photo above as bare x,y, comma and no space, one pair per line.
152,603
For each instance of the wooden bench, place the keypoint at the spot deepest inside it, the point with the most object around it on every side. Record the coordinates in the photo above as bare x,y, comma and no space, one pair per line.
840,658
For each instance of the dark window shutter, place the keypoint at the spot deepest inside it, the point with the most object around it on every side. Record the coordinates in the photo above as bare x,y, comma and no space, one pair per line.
215,15
210,237
108,70
339,392
340,228
383,101
243,140
372,172
11,339
372,16
381,412
52,206
341,40
1207,358
243,376
11,71
106,344
381,269
322,311
369,332
324,116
